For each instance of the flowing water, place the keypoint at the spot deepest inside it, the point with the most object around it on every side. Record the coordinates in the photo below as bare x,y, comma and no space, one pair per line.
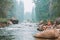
23,31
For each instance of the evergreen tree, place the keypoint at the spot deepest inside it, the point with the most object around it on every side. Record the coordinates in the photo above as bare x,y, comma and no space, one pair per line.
5,6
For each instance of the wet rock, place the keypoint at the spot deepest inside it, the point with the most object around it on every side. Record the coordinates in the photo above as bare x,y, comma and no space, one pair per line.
14,21
40,28
3,24
43,39
58,38
51,33
47,39
9,22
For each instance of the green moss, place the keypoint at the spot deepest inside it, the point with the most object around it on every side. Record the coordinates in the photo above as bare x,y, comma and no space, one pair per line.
3,19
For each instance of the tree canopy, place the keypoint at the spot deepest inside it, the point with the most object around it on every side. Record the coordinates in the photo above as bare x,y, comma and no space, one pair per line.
5,6
47,9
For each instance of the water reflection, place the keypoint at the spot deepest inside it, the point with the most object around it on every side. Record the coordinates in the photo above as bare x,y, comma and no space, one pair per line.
18,32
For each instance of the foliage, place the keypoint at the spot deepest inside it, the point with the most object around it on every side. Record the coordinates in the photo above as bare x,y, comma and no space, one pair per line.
3,19
47,9
42,9
5,6
55,11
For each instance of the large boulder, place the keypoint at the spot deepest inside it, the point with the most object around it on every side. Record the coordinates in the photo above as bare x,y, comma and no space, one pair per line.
43,39
51,33
47,39
9,23
14,21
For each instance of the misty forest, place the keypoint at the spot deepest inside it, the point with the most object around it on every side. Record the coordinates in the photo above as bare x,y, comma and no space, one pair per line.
21,19
40,10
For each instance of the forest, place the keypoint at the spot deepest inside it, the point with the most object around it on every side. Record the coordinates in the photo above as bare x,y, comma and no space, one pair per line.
47,9
44,10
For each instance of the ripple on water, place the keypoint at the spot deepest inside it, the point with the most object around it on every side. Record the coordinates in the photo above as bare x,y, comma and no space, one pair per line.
17,32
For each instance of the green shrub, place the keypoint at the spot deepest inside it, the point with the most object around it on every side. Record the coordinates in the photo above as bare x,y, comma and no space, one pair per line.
3,19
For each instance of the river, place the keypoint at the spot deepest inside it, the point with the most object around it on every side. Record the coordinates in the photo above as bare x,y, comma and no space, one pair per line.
22,31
